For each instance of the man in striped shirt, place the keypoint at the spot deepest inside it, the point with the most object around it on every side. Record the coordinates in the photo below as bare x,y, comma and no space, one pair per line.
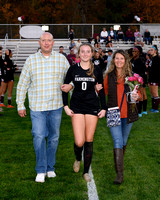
42,77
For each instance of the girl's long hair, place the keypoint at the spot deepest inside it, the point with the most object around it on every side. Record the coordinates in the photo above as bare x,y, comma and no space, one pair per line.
91,67
127,69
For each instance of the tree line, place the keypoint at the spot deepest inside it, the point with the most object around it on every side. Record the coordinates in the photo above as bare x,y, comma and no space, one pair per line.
79,11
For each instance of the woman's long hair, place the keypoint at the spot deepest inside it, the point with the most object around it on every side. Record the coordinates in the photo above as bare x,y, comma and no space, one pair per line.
91,67
127,69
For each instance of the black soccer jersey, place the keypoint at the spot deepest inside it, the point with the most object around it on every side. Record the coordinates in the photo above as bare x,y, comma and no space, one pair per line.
84,97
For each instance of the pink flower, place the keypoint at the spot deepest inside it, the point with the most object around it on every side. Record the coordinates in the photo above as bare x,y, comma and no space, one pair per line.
131,78
135,78
140,80
136,75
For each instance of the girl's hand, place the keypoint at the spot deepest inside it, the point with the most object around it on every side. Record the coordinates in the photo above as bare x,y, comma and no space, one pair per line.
68,111
66,87
102,113
98,87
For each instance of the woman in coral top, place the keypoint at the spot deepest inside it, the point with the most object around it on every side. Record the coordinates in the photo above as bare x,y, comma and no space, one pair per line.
114,85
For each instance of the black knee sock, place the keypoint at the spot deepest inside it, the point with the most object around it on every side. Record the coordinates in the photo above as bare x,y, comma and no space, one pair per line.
2,98
88,151
140,107
145,105
78,152
156,103
9,100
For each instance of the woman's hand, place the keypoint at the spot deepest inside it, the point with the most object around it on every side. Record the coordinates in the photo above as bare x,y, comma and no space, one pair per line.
135,96
66,87
102,113
68,111
98,87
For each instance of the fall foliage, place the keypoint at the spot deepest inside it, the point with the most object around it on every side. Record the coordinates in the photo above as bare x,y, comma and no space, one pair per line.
79,11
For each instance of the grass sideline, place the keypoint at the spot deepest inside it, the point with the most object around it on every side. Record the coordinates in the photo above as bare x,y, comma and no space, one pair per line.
17,161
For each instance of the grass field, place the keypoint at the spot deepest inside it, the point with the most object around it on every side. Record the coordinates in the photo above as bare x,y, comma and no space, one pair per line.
141,162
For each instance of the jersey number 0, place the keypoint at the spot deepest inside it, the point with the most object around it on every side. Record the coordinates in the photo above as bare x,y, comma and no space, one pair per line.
84,85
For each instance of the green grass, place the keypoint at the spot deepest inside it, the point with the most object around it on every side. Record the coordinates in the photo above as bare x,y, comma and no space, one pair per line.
17,161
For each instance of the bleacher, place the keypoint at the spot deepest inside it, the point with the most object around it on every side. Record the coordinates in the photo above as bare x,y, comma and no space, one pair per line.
23,48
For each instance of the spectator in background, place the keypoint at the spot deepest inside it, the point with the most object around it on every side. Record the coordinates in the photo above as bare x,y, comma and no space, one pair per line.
72,44
61,49
97,42
1,73
129,35
112,33
147,37
9,69
78,43
136,33
139,40
109,42
71,34
154,78
98,61
109,58
103,35
138,67
120,34
76,59
71,56
104,58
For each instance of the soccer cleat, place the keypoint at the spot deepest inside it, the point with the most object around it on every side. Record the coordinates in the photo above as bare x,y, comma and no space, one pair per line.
155,111
144,112
140,115
40,178
76,166
51,174
9,106
86,177
2,105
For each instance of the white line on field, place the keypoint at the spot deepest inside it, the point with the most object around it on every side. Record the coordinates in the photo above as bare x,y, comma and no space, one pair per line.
92,190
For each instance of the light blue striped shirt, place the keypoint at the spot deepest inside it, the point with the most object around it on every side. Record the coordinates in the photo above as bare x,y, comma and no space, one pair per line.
42,77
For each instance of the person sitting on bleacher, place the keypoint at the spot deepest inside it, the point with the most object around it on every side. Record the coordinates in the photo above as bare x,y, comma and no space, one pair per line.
120,34
97,42
147,37
136,33
109,42
129,35
112,33
104,35
139,40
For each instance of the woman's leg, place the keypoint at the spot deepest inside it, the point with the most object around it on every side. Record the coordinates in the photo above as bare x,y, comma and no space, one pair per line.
90,127
10,88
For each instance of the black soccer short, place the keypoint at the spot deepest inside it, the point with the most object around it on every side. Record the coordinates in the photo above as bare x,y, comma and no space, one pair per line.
85,112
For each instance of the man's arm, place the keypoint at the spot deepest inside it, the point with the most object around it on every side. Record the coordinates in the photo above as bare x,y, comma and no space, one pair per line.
22,87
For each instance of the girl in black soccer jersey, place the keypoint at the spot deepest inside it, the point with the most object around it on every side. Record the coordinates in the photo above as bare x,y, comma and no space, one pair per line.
9,69
84,106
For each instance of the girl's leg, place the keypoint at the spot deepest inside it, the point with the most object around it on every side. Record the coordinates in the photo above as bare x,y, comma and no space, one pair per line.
78,123
144,101
3,89
155,98
10,88
90,127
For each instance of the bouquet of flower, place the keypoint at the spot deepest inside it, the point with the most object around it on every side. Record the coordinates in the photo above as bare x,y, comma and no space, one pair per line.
134,82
